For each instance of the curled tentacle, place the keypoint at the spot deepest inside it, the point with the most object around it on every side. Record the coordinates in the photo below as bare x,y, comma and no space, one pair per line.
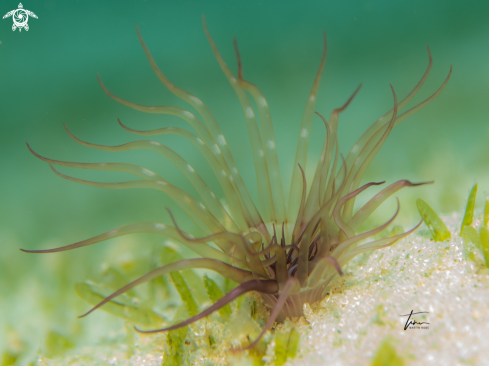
119,167
193,208
267,286
292,285
203,250
345,245
238,216
235,274
187,170
375,245
349,232
229,239
367,209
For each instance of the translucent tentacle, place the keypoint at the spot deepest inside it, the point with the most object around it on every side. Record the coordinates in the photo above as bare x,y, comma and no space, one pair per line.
330,187
304,239
229,192
268,287
292,285
357,148
119,167
344,227
374,132
318,191
326,156
188,171
301,153
193,208
203,133
261,167
333,119
371,149
203,250
316,275
345,245
374,245
218,137
367,209
281,264
270,147
187,116
245,244
313,201
181,197
298,222
417,107
235,274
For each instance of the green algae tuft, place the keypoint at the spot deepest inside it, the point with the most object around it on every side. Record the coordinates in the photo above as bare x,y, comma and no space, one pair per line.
469,209
484,238
286,344
436,225
387,355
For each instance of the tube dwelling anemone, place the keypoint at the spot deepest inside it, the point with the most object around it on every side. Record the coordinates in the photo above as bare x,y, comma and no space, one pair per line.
287,255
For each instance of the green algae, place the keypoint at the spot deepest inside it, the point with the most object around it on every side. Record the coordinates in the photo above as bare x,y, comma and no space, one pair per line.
469,210
192,279
380,315
485,217
286,344
476,245
484,239
386,355
470,235
184,292
123,307
215,294
176,350
114,279
9,358
438,229
57,344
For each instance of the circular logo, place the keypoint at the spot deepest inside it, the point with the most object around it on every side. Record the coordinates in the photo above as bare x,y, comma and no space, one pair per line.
20,17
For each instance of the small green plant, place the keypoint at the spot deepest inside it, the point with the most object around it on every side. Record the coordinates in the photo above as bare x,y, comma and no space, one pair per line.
126,307
287,255
438,229
215,295
56,344
469,209
484,237
176,351
387,355
485,218
286,344
476,244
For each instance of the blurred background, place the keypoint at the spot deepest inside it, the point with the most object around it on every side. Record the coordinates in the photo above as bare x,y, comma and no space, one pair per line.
48,78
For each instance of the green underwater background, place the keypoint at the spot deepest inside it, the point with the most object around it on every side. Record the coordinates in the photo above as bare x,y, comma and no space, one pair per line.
48,78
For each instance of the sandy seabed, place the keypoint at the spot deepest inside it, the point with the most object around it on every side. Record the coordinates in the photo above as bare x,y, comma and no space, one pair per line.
416,274
367,305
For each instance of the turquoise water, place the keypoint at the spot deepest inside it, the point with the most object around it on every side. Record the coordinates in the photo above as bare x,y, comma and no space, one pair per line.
48,77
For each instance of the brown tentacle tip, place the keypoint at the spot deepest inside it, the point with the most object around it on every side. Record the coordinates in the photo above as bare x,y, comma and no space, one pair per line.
33,152
84,315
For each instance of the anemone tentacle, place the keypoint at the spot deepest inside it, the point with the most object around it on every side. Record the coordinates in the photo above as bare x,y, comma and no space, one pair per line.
235,274
219,141
303,143
269,147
